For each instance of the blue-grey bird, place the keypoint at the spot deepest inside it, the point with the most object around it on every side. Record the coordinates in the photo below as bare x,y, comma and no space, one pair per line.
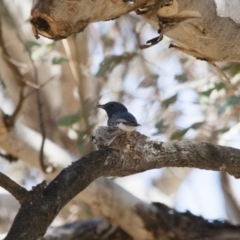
119,116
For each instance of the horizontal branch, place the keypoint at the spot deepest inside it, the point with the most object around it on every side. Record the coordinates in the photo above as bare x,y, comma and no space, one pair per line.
12,187
138,153
195,26
85,230
176,225
126,155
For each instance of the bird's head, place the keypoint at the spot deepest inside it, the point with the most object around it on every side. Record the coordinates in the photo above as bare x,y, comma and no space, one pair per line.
112,107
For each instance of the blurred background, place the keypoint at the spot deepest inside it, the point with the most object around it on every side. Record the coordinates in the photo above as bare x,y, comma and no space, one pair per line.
56,86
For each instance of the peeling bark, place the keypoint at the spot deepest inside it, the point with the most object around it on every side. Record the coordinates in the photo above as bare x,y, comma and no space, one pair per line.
197,27
59,19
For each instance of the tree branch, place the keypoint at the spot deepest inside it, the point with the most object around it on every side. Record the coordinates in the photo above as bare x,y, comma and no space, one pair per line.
12,187
85,230
126,155
196,26
179,226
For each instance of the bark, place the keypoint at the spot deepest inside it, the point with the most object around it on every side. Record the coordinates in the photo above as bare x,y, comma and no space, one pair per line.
49,19
16,190
181,226
199,28
126,155
85,230
120,207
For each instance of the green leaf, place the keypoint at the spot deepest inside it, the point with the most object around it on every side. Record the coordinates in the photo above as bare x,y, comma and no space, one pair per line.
179,134
196,125
167,102
69,120
230,101
51,45
161,126
30,44
217,86
110,62
80,142
59,60
222,130
80,146
2,83
181,78
149,81
207,93
220,86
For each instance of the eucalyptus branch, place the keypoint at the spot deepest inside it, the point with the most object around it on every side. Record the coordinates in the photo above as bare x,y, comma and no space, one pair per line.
126,155
12,187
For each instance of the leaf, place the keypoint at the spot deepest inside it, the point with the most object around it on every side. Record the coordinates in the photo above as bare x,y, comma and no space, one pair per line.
2,83
179,134
167,102
59,60
51,45
161,126
196,125
217,86
30,44
230,101
80,141
181,78
69,120
222,130
110,62
207,93
149,81
220,86
80,146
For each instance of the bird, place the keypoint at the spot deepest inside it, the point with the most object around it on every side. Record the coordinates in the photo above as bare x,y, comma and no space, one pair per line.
119,116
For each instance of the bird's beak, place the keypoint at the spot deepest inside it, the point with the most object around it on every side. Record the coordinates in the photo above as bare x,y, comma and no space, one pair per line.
100,106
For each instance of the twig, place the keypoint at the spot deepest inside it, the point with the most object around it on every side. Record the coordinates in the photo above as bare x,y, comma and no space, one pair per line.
10,120
37,87
9,157
220,71
40,114
79,80
16,190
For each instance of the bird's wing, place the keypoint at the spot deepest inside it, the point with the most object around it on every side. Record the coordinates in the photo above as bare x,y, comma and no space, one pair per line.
125,118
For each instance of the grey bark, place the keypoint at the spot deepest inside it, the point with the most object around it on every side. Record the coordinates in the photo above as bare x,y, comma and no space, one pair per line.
126,155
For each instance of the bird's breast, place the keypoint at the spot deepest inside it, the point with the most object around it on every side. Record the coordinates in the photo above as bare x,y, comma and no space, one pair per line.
126,127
